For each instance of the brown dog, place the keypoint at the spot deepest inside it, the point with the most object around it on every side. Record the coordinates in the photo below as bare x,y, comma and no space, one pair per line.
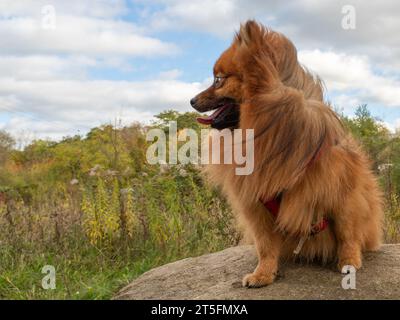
308,169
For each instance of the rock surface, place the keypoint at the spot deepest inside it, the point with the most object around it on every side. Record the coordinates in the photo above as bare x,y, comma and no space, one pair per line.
218,276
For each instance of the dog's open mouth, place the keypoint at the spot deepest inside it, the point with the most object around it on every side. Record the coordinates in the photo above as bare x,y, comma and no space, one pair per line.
225,116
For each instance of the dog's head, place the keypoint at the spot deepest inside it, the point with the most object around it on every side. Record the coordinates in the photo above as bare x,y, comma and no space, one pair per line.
231,70
224,95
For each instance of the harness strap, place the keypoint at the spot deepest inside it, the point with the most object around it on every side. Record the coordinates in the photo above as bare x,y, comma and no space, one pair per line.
273,205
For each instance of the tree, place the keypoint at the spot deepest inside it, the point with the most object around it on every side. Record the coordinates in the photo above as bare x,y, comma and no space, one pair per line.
372,134
184,120
6,145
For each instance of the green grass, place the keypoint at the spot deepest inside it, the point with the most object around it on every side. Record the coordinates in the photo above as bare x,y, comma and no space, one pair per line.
176,217
84,273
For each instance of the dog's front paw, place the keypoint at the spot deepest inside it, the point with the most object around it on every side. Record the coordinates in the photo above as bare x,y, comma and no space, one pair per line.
356,263
257,280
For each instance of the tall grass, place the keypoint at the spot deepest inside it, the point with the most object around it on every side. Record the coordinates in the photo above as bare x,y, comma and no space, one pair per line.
102,232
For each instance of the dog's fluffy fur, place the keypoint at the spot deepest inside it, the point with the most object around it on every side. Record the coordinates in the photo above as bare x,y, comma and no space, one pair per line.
284,105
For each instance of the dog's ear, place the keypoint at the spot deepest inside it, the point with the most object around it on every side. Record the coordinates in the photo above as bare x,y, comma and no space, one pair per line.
250,33
255,58
257,39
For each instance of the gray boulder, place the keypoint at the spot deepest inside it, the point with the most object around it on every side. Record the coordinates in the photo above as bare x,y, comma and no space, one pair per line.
218,276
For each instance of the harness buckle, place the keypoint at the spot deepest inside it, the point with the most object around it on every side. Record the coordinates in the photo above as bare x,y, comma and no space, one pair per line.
300,245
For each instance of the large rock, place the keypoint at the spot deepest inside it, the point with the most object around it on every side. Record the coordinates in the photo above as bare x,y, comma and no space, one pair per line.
218,276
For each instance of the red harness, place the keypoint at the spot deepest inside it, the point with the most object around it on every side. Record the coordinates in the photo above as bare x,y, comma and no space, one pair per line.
273,205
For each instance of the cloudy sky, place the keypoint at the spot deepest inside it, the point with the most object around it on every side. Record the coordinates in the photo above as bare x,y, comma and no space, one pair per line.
66,66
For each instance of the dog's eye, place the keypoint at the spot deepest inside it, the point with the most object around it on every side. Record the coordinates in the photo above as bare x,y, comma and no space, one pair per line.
218,81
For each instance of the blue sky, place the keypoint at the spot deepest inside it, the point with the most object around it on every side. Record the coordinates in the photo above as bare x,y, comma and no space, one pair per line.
66,66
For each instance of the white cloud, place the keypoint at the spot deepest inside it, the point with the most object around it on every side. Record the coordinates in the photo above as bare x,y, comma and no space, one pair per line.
18,127
79,35
345,73
210,16
309,23
346,103
218,17
67,105
45,83
93,8
44,67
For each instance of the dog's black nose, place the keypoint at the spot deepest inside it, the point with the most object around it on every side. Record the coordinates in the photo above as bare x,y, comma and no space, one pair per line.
193,101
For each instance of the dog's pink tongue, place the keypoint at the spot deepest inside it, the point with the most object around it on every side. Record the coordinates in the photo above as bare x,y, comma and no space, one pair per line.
209,119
